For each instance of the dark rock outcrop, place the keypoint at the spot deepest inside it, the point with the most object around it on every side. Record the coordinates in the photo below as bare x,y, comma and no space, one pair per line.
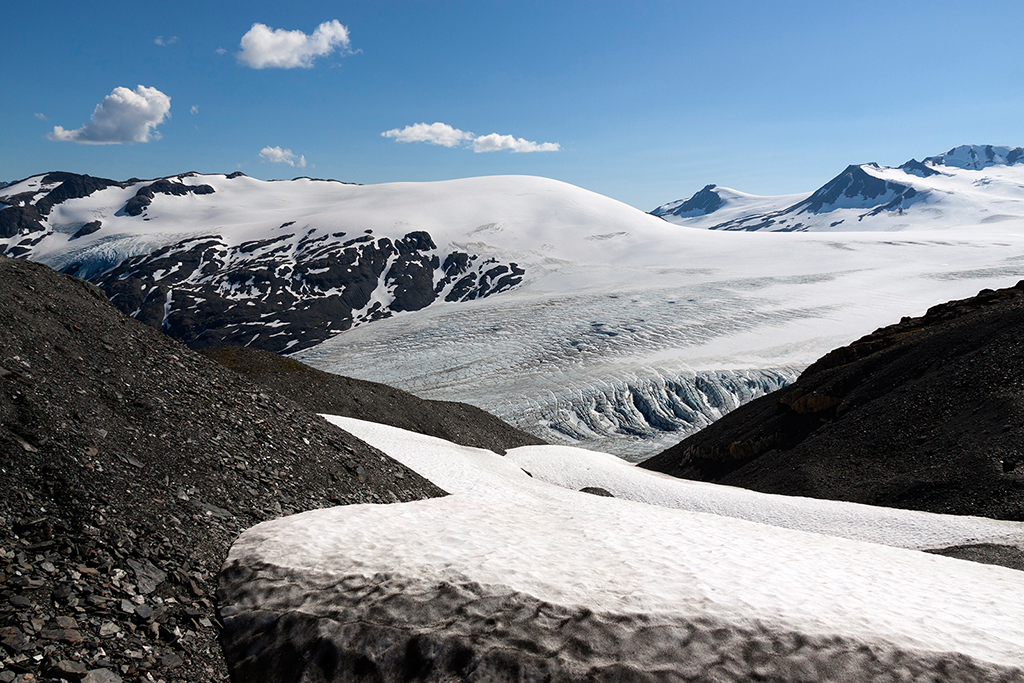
855,183
926,414
144,197
129,464
87,229
15,220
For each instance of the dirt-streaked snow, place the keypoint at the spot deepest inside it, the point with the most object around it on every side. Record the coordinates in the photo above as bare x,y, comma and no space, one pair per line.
576,582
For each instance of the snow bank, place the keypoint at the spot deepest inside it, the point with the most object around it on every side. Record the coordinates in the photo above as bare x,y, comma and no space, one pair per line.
516,578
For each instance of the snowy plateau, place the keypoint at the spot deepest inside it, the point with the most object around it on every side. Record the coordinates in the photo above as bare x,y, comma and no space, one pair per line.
566,313
519,576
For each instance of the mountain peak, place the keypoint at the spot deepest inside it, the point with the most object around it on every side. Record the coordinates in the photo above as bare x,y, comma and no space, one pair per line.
977,157
701,204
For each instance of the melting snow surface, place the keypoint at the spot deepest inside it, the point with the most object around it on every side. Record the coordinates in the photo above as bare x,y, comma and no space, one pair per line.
672,550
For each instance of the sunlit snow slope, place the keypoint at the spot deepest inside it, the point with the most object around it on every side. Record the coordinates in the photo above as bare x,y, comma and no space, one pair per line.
512,573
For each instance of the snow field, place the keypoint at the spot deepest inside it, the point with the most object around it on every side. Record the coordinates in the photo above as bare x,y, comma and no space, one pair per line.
571,585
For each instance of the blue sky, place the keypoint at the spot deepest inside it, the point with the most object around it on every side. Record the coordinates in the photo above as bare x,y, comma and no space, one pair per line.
645,101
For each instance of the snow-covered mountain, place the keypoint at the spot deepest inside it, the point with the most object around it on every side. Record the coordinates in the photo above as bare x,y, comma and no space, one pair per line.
567,313
946,190
723,204
214,259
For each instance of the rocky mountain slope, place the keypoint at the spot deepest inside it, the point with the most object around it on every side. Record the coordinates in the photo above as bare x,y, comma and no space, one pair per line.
323,392
926,414
128,464
969,184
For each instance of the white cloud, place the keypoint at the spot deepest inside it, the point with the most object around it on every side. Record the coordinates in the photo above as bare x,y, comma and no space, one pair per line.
123,116
194,109
164,42
442,134
263,47
221,51
41,117
495,143
433,133
276,155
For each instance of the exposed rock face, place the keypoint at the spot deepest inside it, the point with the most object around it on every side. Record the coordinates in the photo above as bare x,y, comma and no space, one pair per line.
927,414
289,292
130,463
979,156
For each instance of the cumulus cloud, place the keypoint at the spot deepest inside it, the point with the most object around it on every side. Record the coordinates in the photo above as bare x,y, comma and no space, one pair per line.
263,47
442,134
495,143
276,155
194,109
164,42
433,133
221,51
40,116
123,116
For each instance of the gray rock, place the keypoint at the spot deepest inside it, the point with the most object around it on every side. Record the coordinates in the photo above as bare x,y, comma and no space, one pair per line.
147,576
101,676
66,666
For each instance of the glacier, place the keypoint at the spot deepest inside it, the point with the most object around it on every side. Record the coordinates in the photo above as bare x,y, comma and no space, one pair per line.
630,360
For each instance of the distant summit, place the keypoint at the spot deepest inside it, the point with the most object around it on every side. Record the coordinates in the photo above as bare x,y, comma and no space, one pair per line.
977,157
701,204
942,191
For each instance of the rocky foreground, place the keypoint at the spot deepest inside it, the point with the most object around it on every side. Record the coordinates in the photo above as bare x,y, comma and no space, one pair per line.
128,465
926,414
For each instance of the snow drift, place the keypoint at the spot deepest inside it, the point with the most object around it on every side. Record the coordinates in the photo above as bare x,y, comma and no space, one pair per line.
514,578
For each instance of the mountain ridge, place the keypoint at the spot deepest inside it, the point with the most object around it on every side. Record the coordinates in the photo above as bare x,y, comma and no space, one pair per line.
859,193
